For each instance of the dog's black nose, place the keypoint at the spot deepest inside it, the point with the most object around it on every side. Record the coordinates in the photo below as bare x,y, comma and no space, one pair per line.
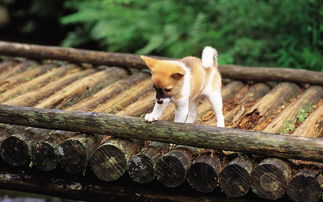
160,101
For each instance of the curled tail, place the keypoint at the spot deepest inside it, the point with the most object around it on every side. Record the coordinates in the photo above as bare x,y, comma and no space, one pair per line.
209,57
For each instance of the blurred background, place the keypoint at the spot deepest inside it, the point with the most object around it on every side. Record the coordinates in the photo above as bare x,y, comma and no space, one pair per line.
251,32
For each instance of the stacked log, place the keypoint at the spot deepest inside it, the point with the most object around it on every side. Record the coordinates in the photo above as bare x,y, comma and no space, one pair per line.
235,177
270,177
17,69
72,150
204,172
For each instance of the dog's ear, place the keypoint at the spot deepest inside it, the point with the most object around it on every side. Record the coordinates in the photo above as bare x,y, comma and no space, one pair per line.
178,75
150,62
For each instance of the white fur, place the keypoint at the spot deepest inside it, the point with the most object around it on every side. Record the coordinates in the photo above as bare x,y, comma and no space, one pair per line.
186,109
209,57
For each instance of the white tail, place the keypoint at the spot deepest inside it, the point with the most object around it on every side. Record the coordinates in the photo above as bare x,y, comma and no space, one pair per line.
209,57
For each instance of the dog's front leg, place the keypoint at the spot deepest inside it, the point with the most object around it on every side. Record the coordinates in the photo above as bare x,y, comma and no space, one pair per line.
157,111
181,111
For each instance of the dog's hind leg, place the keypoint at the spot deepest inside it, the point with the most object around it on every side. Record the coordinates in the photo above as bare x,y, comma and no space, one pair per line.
216,101
192,113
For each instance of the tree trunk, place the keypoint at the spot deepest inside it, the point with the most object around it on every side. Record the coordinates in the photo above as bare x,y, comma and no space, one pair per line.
234,178
270,177
31,98
82,88
304,186
313,125
129,60
309,97
140,167
203,174
178,133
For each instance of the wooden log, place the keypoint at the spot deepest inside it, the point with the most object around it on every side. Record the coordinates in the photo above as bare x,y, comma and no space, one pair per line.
6,65
75,152
234,178
139,107
48,153
258,116
309,97
179,133
108,161
89,189
303,186
126,97
34,84
172,168
17,69
45,153
15,149
31,98
140,167
203,174
90,103
319,179
129,60
82,88
270,177
24,77
313,125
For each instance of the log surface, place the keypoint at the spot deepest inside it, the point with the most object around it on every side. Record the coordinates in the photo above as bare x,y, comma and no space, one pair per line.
130,60
178,133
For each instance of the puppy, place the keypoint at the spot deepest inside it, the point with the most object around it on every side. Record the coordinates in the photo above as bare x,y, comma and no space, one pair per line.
182,81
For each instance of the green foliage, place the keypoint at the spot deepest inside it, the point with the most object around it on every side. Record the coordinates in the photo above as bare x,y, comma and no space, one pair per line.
256,33
302,114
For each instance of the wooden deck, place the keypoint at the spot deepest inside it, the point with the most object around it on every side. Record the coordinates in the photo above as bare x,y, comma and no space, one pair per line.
269,106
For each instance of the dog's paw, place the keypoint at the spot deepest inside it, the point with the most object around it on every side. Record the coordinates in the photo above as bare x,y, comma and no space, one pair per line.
151,117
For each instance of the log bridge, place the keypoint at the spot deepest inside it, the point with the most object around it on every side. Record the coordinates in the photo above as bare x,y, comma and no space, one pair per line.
76,116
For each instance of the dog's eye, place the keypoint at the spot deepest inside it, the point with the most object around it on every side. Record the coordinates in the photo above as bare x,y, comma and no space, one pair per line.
167,89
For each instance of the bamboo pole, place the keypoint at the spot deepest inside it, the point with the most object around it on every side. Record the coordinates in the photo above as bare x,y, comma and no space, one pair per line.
129,60
179,133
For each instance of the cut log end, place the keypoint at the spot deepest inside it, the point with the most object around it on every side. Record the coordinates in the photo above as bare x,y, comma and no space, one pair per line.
108,163
44,156
234,180
141,169
74,156
15,152
235,177
203,174
304,188
171,169
269,179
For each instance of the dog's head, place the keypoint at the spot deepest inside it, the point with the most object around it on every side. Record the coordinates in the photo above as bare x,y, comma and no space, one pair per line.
167,77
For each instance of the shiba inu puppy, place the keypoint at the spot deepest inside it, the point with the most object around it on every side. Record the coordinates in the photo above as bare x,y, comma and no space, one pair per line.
182,81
